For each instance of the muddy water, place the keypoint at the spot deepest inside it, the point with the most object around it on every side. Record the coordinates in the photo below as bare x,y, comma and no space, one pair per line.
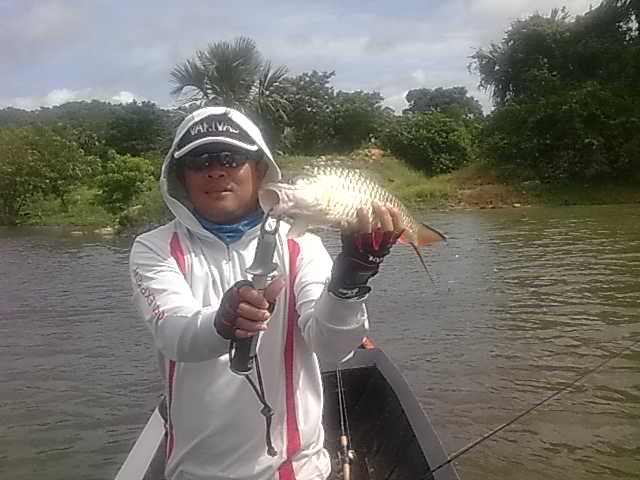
524,301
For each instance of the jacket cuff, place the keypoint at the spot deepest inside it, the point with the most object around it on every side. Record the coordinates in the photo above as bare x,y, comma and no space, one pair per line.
341,312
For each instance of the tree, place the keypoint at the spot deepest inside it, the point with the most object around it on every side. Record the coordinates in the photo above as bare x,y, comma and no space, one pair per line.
357,116
37,161
585,134
527,60
64,164
123,178
15,117
310,118
566,95
452,101
138,128
18,174
541,55
432,142
233,74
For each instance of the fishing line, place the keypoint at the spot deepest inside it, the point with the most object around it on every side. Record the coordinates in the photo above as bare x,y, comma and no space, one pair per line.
490,434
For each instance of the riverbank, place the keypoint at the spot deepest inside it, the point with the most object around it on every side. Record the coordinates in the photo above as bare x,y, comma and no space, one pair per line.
473,187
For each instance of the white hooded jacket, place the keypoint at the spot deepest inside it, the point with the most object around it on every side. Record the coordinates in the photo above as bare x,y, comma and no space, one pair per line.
179,272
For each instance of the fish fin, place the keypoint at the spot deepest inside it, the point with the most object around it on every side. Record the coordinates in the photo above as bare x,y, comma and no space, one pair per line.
297,228
422,261
427,235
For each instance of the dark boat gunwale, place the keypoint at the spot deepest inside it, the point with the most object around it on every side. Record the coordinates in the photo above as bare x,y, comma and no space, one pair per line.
430,445
418,419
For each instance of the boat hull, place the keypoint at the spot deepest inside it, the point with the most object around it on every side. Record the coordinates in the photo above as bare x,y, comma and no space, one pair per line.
390,435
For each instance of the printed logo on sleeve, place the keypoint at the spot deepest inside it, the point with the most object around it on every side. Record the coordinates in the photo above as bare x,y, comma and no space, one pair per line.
149,297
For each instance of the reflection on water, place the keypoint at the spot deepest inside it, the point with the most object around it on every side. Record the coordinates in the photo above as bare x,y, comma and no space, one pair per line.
525,301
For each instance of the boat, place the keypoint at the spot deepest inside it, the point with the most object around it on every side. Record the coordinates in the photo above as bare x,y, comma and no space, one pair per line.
390,435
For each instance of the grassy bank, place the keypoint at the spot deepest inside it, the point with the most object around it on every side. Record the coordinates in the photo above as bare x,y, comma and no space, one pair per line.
473,187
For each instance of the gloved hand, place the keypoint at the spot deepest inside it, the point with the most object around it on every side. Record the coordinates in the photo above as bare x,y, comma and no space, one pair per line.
245,311
363,251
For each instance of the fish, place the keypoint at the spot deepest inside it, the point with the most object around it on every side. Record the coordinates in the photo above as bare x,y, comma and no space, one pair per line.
331,196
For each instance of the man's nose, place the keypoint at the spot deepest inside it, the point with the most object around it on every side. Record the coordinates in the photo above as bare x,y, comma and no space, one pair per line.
216,171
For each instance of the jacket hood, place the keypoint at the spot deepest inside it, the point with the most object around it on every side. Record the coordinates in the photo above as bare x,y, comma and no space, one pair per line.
209,125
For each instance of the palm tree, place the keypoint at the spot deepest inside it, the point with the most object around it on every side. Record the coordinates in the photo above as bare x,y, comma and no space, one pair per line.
233,74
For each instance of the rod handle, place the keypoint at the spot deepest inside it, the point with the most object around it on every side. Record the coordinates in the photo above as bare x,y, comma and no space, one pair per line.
243,355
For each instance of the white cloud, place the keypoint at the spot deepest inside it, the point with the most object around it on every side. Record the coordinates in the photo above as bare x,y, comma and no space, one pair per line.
59,96
124,97
63,95
396,101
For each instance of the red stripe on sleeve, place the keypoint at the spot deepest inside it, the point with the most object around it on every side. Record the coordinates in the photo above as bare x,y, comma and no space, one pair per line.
285,471
178,253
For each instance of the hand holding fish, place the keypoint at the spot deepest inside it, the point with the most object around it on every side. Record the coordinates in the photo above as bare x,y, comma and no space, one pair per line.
365,244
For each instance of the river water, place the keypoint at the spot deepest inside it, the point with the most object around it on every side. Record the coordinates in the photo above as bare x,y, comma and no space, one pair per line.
524,301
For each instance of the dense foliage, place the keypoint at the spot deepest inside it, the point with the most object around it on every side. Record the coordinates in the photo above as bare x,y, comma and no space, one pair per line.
122,178
566,95
565,90
432,142
454,101
36,162
321,120
588,133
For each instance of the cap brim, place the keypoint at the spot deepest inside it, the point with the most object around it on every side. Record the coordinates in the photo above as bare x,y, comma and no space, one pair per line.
204,141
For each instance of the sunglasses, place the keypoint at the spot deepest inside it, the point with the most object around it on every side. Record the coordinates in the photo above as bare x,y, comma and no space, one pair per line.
219,159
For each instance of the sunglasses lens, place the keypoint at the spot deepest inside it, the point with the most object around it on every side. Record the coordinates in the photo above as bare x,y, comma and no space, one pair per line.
228,160
221,159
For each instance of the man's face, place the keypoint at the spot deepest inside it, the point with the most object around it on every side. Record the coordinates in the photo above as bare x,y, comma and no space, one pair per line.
223,194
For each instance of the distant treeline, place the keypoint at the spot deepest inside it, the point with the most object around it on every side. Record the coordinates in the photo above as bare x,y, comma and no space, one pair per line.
566,96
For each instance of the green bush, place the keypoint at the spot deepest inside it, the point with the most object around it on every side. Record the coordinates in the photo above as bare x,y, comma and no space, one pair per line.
586,133
123,178
432,142
35,162
80,209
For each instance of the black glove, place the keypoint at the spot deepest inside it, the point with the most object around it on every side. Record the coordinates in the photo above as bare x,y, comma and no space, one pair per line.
362,253
225,320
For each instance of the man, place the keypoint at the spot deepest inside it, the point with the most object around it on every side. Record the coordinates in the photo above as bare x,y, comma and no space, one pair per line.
190,285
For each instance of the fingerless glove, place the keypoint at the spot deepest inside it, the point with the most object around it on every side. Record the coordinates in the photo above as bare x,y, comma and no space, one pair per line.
361,256
225,319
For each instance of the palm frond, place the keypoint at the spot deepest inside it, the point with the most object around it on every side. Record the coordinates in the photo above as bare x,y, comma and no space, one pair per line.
234,74
270,94
189,76
232,68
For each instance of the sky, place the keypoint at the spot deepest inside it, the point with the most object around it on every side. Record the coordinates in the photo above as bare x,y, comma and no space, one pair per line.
54,51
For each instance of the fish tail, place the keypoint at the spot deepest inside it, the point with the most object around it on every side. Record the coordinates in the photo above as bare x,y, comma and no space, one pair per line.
421,258
426,235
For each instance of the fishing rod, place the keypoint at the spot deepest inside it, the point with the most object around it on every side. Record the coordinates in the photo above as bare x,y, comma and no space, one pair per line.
501,427
346,453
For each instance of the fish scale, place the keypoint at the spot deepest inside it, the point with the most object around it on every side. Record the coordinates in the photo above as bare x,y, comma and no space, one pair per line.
351,190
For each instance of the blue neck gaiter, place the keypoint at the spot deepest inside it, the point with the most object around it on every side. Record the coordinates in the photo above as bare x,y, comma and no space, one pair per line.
231,232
